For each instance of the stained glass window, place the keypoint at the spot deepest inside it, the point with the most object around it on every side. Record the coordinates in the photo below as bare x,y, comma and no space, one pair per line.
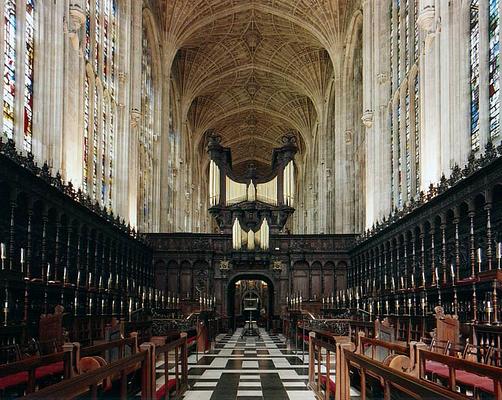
100,50
88,30
147,132
9,90
28,73
474,56
494,62
86,132
95,139
408,144
417,133
405,140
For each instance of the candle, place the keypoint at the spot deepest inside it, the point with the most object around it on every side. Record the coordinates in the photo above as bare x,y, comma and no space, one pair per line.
436,274
22,255
3,252
64,274
90,278
452,273
499,250
48,271
130,305
479,255
110,280
78,278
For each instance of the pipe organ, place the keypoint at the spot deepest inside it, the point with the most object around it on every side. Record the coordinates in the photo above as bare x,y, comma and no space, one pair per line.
251,240
267,192
251,206
236,192
214,183
289,184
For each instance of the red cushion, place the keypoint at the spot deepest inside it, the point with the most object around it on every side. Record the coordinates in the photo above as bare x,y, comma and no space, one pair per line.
468,378
13,380
437,368
332,385
161,393
486,385
49,370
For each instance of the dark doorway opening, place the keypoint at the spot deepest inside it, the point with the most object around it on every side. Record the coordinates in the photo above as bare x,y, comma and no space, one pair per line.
250,286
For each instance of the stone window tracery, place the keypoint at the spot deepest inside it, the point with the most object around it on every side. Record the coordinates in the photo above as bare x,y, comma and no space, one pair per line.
99,100
146,134
405,107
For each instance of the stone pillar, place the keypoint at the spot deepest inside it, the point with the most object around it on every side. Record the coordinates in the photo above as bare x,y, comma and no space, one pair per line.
74,65
430,151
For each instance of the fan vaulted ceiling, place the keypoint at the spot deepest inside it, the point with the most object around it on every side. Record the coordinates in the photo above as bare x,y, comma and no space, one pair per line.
253,70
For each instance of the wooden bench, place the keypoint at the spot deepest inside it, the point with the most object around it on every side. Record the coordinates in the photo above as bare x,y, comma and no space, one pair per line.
27,372
393,380
481,377
178,384
91,382
323,384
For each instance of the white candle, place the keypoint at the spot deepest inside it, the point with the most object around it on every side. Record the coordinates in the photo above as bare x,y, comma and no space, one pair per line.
452,272
499,250
48,270
3,253
78,278
479,255
64,274
22,255
437,275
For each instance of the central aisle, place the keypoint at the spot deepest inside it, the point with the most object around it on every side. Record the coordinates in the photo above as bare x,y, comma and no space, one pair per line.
249,368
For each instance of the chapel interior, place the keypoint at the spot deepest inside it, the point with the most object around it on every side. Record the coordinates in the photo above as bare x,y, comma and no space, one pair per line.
251,199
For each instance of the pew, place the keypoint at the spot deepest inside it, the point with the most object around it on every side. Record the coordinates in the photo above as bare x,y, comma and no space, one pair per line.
481,377
91,382
177,385
26,373
321,382
393,381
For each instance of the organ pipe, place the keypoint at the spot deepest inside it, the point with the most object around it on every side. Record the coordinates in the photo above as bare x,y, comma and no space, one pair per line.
236,192
214,183
237,235
289,184
264,235
267,192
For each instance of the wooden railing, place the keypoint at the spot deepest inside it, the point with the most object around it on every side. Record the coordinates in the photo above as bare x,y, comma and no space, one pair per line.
90,382
383,351
175,386
321,383
27,371
393,381
92,385
464,372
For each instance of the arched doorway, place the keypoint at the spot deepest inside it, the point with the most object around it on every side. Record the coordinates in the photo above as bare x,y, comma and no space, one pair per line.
249,285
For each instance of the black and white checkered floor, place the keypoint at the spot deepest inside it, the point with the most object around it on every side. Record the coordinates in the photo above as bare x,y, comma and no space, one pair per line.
247,368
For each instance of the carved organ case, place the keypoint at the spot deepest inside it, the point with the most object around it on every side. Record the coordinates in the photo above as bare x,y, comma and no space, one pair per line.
251,205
